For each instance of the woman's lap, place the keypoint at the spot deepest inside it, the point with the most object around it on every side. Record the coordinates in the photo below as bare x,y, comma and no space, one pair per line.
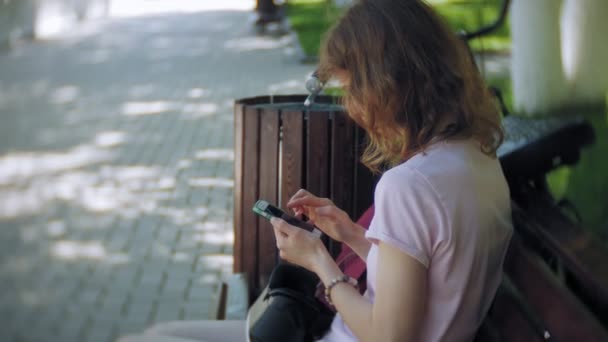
200,331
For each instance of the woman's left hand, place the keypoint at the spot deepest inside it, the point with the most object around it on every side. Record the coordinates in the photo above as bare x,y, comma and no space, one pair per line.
298,246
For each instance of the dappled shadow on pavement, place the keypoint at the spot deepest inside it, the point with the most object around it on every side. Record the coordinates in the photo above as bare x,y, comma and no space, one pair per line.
116,170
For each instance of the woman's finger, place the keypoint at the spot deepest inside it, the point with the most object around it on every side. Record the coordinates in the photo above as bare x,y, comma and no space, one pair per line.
307,201
280,237
282,226
298,194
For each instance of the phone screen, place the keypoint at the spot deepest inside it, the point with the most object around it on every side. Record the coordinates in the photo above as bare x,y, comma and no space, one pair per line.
267,210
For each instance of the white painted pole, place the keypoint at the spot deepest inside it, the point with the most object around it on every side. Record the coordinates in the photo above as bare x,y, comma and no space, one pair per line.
539,85
584,38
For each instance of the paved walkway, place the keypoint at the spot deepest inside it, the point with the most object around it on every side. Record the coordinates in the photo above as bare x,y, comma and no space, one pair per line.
116,154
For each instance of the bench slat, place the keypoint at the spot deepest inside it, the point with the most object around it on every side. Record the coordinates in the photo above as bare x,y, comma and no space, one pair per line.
507,322
563,315
342,162
269,178
580,253
317,157
291,155
317,154
342,167
364,179
247,232
239,137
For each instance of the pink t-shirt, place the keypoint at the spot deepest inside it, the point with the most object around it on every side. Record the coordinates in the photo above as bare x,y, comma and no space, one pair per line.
448,208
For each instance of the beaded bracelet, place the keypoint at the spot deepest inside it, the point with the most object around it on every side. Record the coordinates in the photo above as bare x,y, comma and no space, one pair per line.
343,279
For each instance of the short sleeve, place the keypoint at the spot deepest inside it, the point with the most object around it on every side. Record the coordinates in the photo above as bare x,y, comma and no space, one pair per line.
408,215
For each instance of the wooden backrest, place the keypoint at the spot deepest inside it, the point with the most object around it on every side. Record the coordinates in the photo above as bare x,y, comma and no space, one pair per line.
281,146
533,304
575,254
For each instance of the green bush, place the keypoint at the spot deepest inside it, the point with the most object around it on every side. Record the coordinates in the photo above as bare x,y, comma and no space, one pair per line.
312,18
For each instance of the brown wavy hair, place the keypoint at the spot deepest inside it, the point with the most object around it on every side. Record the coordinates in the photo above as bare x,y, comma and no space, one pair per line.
412,81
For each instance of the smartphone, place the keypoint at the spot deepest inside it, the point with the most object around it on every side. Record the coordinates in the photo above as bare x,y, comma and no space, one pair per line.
268,211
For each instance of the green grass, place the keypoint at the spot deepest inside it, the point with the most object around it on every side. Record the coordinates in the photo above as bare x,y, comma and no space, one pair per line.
470,15
312,18
586,183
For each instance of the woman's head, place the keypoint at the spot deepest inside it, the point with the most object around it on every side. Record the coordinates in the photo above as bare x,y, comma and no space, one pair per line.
409,80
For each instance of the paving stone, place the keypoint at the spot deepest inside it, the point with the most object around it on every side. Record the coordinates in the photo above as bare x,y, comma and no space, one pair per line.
197,311
100,333
198,292
167,310
111,310
72,327
140,311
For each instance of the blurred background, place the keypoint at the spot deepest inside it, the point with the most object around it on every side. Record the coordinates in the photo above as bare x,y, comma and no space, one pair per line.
116,139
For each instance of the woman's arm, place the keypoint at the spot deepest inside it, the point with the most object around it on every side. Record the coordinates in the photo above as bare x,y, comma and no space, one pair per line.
401,283
356,240
399,306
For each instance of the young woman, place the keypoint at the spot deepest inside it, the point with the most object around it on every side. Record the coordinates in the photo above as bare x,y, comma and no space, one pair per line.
435,247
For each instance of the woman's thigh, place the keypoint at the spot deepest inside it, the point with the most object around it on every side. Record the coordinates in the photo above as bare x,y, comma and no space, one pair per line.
208,331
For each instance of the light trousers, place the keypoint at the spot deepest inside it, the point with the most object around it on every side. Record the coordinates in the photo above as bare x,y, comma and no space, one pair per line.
190,331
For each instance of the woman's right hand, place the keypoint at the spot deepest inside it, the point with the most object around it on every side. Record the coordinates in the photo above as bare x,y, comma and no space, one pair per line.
323,213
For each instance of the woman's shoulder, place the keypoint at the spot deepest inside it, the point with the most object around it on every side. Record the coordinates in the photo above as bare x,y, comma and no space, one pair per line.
406,182
447,169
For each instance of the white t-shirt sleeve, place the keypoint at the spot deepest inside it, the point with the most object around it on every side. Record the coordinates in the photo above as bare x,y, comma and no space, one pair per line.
408,214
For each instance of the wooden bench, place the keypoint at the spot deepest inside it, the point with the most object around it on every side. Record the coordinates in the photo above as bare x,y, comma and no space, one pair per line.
556,280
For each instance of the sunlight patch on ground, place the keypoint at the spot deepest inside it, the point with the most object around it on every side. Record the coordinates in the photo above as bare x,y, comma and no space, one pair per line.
72,250
200,109
56,229
210,226
92,250
110,139
216,261
256,43
147,108
18,167
215,154
223,238
128,191
183,164
134,8
52,19
179,216
196,93
208,182
65,94
139,108
296,85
